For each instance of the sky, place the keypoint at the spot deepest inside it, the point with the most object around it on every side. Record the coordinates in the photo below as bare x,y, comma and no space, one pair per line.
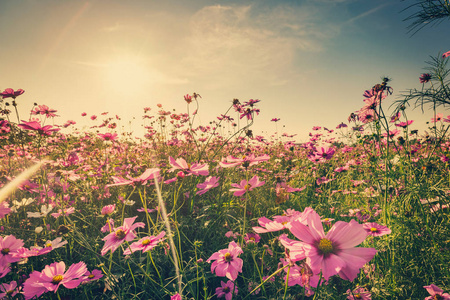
308,61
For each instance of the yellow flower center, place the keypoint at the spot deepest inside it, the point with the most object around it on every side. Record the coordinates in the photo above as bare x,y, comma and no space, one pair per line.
48,245
228,257
5,251
357,296
120,234
325,246
57,279
226,290
373,229
91,276
9,292
247,186
145,242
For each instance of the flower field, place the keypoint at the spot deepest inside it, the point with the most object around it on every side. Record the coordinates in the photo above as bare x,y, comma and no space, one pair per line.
195,211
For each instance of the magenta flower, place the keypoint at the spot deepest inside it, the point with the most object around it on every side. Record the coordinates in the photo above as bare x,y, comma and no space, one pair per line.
436,293
275,119
91,276
335,252
210,182
8,290
141,180
424,78
145,244
438,118
241,188
226,290
404,124
36,126
246,161
300,274
359,293
52,277
4,209
109,226
108,209
227,262
108,136
11,93
63,212
194,169
121,234
176,297
375,229
446,54
44,110
9,246
4,269
252,238
282,222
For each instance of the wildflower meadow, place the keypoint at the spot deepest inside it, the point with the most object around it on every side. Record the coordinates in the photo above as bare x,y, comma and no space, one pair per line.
214,211
209,212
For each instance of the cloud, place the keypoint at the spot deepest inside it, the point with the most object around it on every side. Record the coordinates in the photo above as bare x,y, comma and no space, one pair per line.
246,40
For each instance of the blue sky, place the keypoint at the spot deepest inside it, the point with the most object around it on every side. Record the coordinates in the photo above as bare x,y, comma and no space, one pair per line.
308,62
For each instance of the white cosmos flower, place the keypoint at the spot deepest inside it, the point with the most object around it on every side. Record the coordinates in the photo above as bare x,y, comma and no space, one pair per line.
45,209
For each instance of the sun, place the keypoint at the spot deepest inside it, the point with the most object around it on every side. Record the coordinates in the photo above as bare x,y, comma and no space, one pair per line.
127,73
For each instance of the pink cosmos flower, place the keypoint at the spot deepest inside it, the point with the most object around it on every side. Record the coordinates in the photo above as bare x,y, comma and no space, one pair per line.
359,293
4,209
8,290
189,169
438,118
63,212
404,124
36,126
145,244
109,226
51,245
375,229
301,275
282,190
4,269
241,188
9,246
108,136
44,110
227,262
210,182
176,297
108,209
245,161
281,222
252,238
91,276
141,180
424,78
446,54
11,93
52,277
436,293
335,252
226,290
121,234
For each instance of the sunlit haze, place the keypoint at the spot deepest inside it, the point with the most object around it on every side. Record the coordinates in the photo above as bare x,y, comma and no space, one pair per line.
308,62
